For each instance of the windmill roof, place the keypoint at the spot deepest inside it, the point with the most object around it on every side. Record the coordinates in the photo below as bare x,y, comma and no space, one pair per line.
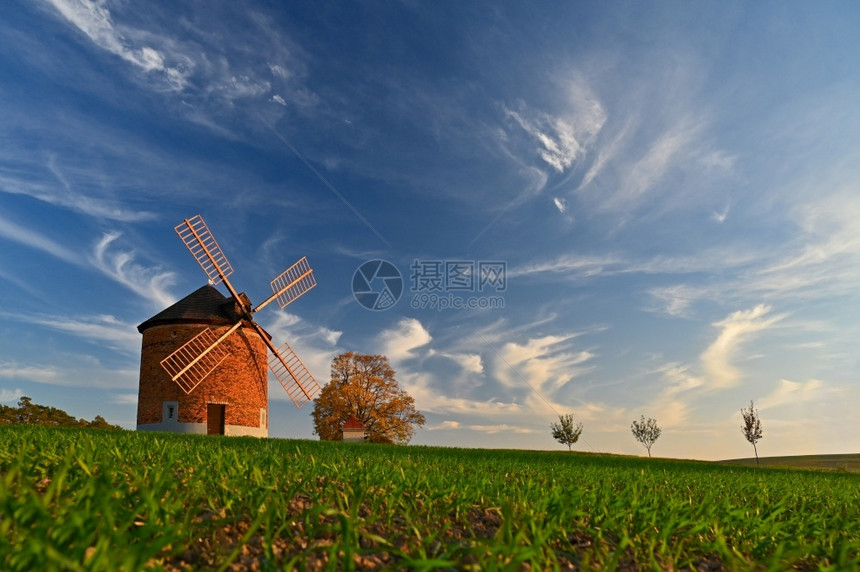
205,305
353,423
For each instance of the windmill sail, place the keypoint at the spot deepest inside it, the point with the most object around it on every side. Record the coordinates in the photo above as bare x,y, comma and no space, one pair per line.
190,364
195,360
293,282
294,377
204,248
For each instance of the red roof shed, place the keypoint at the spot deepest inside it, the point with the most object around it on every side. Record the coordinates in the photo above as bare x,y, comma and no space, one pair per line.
352,430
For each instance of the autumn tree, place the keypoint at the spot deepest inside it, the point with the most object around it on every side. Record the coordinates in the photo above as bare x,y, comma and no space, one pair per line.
565,431
646,431
8,415
363,386
752,427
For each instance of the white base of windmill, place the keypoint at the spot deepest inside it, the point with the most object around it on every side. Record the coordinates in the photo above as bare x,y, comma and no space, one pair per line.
203,429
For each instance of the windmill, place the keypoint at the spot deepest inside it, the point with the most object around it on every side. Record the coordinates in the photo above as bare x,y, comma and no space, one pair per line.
206,332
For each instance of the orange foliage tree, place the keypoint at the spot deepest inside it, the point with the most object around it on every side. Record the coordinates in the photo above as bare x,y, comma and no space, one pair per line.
363,386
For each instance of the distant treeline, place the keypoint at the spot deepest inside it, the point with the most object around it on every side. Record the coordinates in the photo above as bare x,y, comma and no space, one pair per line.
29,413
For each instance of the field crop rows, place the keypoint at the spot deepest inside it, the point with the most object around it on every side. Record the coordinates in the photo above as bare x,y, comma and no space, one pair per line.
89,500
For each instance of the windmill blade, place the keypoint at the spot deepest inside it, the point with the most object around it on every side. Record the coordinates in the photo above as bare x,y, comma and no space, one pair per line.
204,248
294,377
289,370
197,358
292,283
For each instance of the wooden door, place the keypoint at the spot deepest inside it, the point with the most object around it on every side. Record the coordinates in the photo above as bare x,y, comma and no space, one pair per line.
215,419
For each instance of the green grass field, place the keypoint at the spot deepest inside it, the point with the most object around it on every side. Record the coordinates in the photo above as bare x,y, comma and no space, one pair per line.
850,462
78,499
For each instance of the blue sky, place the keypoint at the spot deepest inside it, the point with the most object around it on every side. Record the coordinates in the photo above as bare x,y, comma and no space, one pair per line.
672,187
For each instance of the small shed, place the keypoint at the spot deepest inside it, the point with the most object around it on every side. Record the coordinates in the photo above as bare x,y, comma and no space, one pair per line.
353,430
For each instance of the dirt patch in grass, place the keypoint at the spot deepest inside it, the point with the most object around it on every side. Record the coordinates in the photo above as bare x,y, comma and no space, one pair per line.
311,539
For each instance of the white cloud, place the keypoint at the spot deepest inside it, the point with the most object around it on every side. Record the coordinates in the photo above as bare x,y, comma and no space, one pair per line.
488,429
679,378
79,370
102,329
471,363
148,283
564,135
568,264
94,19
822,260
661,156
284,321
735,329
208,72
33,239
69,198
672,404
9,395
721,216
606,152
826,257
445,425
279,71
429,397
500,428
150,59
675,300
673,413
37,373
718,160
546,364
291,325
400,342
243,86
714,260
564,138
520,388
124,398
583,266
560,204
793,393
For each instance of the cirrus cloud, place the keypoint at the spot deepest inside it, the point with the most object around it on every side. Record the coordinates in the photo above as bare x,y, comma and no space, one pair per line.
735,329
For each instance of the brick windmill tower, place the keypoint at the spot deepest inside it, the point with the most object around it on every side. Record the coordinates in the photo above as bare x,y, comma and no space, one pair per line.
205,362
